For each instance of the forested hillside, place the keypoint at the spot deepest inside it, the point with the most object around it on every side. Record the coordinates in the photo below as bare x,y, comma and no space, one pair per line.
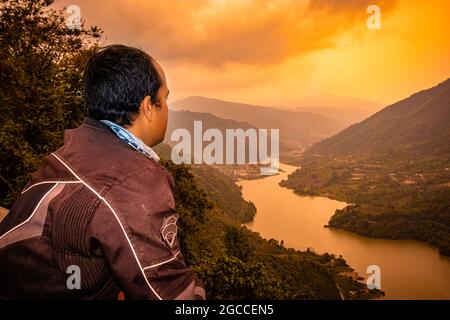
395,168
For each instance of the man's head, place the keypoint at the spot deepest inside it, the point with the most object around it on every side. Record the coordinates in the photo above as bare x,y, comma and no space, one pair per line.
127,86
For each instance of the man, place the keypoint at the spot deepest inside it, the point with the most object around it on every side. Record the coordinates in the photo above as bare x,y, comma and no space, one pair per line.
98,218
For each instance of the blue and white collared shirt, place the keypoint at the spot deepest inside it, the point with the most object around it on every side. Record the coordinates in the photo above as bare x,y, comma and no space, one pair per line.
129,138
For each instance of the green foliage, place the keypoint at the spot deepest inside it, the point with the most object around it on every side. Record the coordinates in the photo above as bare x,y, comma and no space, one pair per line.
41,64
427,226
240,280
237,243
223,190
191,202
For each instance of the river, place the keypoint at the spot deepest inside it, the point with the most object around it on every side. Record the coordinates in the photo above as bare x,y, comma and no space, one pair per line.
409,269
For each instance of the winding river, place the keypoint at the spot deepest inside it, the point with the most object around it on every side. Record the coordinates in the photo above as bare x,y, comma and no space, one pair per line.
409,269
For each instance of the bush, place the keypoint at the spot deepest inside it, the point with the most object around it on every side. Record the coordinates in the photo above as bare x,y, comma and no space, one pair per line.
41,63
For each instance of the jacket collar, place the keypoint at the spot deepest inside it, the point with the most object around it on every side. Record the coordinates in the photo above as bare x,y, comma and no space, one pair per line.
124,135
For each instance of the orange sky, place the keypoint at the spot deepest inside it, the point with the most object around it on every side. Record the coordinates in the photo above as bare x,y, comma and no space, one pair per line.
284,52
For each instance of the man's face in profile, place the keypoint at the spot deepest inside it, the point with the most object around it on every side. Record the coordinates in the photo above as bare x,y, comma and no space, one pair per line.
160,113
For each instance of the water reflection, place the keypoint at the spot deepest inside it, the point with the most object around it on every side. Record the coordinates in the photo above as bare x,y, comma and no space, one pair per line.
409,269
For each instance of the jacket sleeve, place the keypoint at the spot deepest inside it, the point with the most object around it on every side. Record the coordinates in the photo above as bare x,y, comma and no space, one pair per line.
135,230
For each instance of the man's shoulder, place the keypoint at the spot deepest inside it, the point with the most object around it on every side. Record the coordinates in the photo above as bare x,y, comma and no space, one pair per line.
150,173
92,154
103,174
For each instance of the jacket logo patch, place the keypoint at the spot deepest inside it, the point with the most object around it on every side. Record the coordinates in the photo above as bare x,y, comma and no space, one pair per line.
169,230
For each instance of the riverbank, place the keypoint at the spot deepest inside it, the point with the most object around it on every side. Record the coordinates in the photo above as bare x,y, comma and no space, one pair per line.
403,206
385,224
409,269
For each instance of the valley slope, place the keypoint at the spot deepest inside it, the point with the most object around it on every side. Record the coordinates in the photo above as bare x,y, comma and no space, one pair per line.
394,167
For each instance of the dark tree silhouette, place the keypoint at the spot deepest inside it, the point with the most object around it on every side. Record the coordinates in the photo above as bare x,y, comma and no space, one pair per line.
41,62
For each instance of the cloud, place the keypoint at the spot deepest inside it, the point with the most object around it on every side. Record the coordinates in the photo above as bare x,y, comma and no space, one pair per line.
351,5
215,33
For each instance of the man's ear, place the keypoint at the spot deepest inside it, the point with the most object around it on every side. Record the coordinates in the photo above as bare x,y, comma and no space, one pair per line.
147,108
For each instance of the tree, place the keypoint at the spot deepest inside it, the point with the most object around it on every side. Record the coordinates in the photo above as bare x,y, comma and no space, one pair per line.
191,201
41,62
237,244
233,279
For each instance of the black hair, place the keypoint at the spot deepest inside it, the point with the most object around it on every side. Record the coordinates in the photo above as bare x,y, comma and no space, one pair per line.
116,79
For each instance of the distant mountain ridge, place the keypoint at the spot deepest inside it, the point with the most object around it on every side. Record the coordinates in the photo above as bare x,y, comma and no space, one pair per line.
345,116
394,166
342,102
299,129
186,119
420,121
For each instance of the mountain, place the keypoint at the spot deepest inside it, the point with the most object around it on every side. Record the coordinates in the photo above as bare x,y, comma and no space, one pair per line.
298,129
185,119
394,167
221,188
409,128
340,102
344,116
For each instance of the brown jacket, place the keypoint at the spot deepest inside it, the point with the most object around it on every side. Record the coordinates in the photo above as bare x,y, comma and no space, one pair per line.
99,207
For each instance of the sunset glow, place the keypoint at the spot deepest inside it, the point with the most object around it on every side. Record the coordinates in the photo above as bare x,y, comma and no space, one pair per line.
284,53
